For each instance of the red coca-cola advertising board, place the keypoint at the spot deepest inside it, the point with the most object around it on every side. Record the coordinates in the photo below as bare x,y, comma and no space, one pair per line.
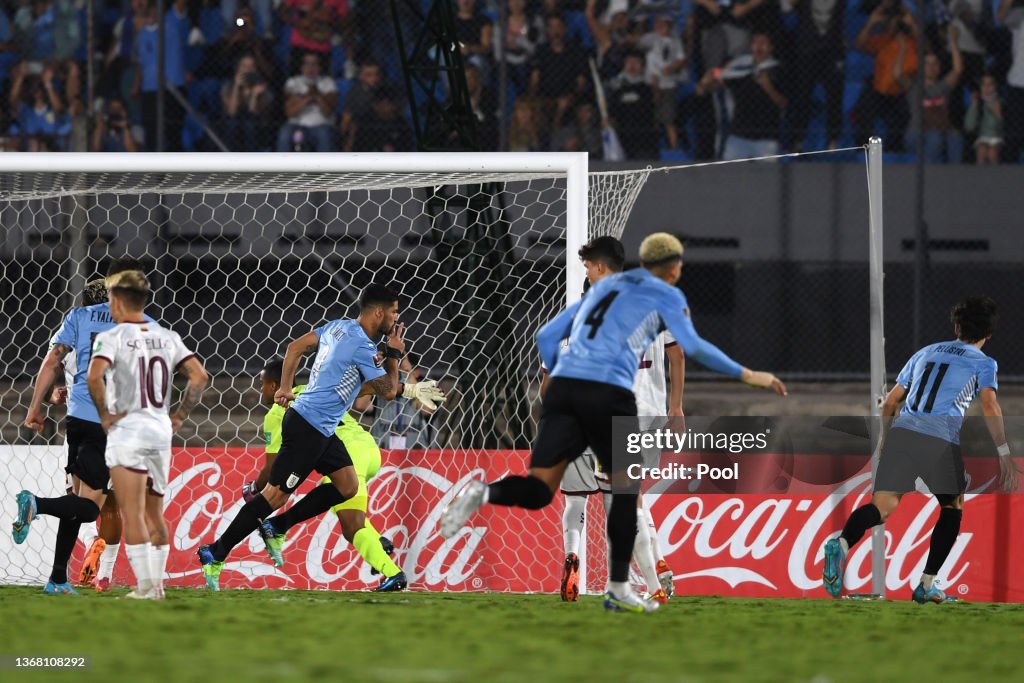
744,545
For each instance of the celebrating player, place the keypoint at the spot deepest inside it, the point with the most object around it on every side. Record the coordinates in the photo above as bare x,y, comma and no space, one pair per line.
85,441
941,380
365,455
130,383
346,366
591,383
601,257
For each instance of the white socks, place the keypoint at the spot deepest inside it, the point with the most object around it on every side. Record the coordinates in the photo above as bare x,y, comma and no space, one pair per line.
138,557
107,560
574,522
844,545
927,580
619,588
157,564
652,532
643,555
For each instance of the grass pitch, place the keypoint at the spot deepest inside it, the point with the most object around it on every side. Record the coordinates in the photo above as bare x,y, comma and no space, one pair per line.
394,638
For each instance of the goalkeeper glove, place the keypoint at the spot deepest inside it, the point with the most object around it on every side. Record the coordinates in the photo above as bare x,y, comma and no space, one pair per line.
248,491
426,392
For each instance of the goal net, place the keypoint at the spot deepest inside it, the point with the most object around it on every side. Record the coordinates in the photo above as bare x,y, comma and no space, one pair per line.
247,253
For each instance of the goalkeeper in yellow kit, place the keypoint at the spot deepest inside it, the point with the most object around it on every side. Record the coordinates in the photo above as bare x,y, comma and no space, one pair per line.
356,528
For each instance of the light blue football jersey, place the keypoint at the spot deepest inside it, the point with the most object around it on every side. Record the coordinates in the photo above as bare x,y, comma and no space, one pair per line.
78,331
345,359
613,324
941,381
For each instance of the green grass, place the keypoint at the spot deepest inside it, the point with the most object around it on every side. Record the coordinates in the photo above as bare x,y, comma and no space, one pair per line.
356,637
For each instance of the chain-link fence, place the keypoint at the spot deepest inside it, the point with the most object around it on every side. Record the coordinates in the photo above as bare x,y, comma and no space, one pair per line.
622,79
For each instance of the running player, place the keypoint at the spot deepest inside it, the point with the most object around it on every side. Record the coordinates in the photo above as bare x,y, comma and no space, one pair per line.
85,439
346,366
104,543
591,383
601,257
129,379
365,455
941,381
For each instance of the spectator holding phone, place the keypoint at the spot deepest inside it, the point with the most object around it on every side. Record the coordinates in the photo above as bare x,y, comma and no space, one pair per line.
985,119
113,131
309,104
247,107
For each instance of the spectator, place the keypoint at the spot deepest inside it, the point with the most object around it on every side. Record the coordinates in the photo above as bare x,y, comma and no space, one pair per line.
114,132
41,123
971,24
47,31
612,39
384,130
942,140
885,98
517,39
240,38
481,99
666,63
248,105
524,133
121,55
147,78
313,25
818,47
309,106
475,33
1013,17
359,101
631,108
559,74
725,27
985,119
753,81
583,135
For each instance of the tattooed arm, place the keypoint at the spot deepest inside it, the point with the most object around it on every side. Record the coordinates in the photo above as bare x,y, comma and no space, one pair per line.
197,381
44,383
307,343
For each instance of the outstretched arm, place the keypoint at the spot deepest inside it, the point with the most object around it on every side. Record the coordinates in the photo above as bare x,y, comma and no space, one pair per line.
45,379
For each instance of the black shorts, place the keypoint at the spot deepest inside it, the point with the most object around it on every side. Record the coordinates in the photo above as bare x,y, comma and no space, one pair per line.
908,455
87,446
578,413
304,449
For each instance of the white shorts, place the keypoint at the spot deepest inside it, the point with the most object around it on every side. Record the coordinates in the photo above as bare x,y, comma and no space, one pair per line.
153,462
582,479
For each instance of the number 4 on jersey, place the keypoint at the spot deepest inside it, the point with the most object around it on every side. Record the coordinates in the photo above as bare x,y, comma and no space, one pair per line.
596,317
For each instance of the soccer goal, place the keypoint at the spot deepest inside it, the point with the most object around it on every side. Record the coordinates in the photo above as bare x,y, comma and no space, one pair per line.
247,252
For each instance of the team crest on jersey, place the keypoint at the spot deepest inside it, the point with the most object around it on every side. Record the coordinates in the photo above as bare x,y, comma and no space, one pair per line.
99,345
293,481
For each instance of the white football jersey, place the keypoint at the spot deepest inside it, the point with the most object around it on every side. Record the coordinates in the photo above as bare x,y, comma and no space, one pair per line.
143,358
650,385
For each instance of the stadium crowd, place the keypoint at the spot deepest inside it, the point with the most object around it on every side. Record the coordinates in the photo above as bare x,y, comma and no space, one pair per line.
685,79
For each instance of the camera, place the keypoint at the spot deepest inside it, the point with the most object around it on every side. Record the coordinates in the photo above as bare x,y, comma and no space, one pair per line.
239,22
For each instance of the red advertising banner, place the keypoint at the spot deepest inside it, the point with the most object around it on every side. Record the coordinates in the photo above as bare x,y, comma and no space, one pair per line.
743,545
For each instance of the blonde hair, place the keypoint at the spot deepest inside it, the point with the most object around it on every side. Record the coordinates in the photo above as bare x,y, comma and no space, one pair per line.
132,286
